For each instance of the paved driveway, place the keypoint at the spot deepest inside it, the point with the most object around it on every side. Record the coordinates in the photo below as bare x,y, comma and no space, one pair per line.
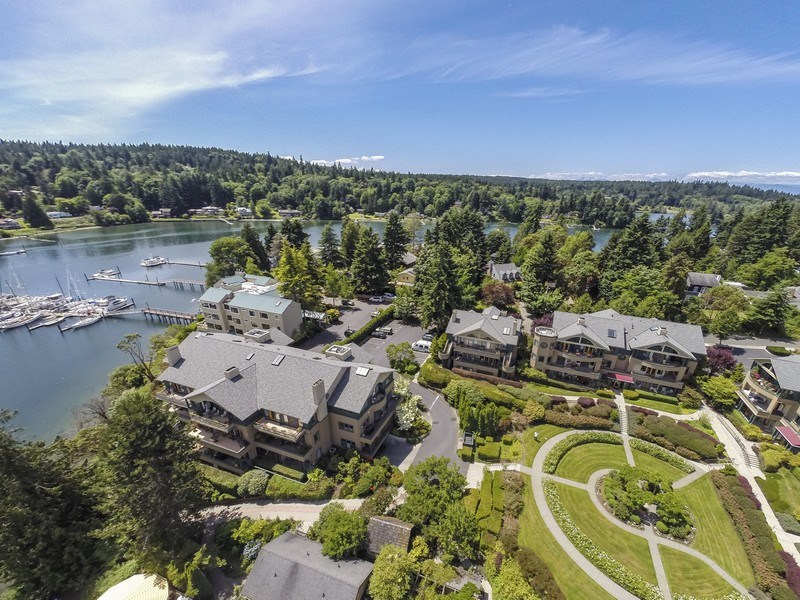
353,317
443,438
402,333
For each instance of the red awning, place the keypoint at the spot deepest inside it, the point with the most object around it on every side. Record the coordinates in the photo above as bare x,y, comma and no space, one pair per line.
789,435
621,377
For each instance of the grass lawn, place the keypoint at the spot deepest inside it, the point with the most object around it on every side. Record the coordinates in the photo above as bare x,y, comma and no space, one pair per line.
554,390
702,425
629,549
716,535
651,463
782,489
530,446
662,406
536,536
692,577
580,462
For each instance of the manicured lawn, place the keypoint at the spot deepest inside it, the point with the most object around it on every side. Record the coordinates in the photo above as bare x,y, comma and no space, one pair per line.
580,462
536,536
530,446
554,390
691,577
651,463
782,489
629,549
716,535
703,425
662,406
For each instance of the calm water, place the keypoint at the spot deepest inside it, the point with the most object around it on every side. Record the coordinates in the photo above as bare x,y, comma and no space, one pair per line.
46,375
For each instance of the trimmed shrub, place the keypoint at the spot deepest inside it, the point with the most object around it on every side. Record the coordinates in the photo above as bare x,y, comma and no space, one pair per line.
513,487
601,411
563,419
489,452
578,439
493,522
642,410
485,503
606,402
220,482
538,575
779,350
386,315
497,492
280,488
433,376
585,402
788,522
252,483
673,434
509,533
467,454
605,394
472,499
556,400
508,439
524,393
630,394
686,453
661,454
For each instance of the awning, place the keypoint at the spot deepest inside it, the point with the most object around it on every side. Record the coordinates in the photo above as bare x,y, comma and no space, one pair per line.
621,377
790,435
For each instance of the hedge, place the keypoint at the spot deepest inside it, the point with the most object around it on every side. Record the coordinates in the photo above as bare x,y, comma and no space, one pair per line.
497,492
490,378
466,454
435,376
471,500
280,488
788,522
779,350
489,452
578,439
671,434
524,393
632,582
493,522
386,315
661,454
485,504
221,481
563,419
645,395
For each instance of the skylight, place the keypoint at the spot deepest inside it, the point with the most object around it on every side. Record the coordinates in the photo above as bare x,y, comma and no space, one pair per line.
277,360
612,333
506,330
495,317
251,355
362,371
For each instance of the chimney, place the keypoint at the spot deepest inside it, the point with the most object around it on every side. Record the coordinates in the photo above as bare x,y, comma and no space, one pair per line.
581,320
232,372
662,331
318,389
173,355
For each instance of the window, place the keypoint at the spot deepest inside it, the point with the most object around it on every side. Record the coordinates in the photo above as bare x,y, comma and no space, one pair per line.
235,310
316,436
612,333
345,426
252,313
265,315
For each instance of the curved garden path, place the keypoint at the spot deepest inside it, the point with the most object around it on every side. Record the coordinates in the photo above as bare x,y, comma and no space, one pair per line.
653,540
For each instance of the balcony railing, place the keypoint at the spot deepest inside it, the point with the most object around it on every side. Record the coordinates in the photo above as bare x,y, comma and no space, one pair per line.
279,430
234,447
213,421
756,404
758,380
296,451
370,430
172,398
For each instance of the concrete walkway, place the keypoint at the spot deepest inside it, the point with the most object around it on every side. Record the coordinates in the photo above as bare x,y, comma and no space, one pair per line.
305,512
622,409
653,540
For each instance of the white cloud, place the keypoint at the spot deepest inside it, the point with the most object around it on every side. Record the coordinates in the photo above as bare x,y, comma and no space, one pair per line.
347,161
544,92
776,177
599,176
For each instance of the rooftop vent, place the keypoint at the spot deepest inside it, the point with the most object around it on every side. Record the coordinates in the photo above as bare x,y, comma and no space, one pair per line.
173,355
495,317
362,371
278,359
506,330
339,352
232,372
250,356
260,336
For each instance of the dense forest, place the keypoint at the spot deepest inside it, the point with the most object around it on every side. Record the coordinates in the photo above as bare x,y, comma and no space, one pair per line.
127,179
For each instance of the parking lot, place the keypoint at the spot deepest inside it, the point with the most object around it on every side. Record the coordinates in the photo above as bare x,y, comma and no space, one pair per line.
402,333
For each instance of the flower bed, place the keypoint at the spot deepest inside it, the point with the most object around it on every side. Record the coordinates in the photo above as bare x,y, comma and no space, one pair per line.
561,448
606,563
661,454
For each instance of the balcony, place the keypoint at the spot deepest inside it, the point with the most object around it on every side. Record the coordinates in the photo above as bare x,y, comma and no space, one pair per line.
757,405
572,365
171,398
216,421
224,443
223,462
372,447
295,451
279,430
579,353
762,384
181,412
370,431
665,377
445,353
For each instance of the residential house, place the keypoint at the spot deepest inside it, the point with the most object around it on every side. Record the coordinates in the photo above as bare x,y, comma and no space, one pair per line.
770,397
385,530
698,284
505,272
9,224
292,567
243,211
607,348
242,302
483,342
252,400
289,213
406,277
409,259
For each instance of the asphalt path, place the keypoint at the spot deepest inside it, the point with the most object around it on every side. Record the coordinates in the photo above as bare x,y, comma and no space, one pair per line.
443,438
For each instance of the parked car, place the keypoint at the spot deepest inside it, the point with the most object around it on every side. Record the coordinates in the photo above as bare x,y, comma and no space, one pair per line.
421,346
375,312
387,330
378,299
428,337
346,302
349,331
389,297
379,334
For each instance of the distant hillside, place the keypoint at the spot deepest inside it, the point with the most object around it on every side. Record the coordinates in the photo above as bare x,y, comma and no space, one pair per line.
124,177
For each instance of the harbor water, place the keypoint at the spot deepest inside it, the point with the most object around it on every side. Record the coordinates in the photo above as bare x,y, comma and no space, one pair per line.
45,375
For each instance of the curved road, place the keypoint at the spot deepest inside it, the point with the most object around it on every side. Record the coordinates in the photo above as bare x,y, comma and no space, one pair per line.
443,438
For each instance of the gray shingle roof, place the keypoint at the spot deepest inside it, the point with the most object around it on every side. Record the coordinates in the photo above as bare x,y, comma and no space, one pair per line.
627,332
292,567
464,322
510,270
787,371
387,530
704,279
284,388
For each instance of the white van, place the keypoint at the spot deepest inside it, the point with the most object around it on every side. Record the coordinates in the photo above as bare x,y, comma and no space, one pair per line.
421,346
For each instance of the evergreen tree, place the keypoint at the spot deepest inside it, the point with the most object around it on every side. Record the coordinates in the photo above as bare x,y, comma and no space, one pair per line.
368,267
351,231
292,232
769,313
252,239
46,519
295,278
152,489
34,214
435,285
329,247
337,284
315,269
395,238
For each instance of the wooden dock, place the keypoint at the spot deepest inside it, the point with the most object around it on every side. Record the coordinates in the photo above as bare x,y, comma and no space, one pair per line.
186,263
168,316
121,280
184,283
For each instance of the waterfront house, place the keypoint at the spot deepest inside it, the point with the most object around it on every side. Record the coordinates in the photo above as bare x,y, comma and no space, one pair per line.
698,284
770,397
484,342
607,348
252,400
242,302
406,277
505,272
9,224
289,213
292,567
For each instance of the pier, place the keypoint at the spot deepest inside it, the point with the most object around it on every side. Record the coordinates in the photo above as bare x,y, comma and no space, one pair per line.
168,316
186,263
184,283
121,280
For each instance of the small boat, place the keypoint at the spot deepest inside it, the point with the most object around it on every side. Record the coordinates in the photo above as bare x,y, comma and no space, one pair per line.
13,252
84,322
54,320
114,303
19,322
106,273
154,261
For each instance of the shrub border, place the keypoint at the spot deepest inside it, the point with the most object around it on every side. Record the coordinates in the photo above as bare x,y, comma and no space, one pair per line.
577,439
662,454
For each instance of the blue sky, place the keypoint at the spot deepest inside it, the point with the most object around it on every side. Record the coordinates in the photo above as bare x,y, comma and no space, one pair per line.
564,89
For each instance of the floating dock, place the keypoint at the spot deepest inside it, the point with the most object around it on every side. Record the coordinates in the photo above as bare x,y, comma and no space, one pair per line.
187,263
168,316
121,280
184,283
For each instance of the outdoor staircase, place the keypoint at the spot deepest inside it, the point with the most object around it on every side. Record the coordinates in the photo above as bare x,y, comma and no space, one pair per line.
750,459
623,414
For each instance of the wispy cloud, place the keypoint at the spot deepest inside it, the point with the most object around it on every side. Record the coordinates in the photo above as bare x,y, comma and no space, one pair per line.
776,177
348,161
599,176
544,92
